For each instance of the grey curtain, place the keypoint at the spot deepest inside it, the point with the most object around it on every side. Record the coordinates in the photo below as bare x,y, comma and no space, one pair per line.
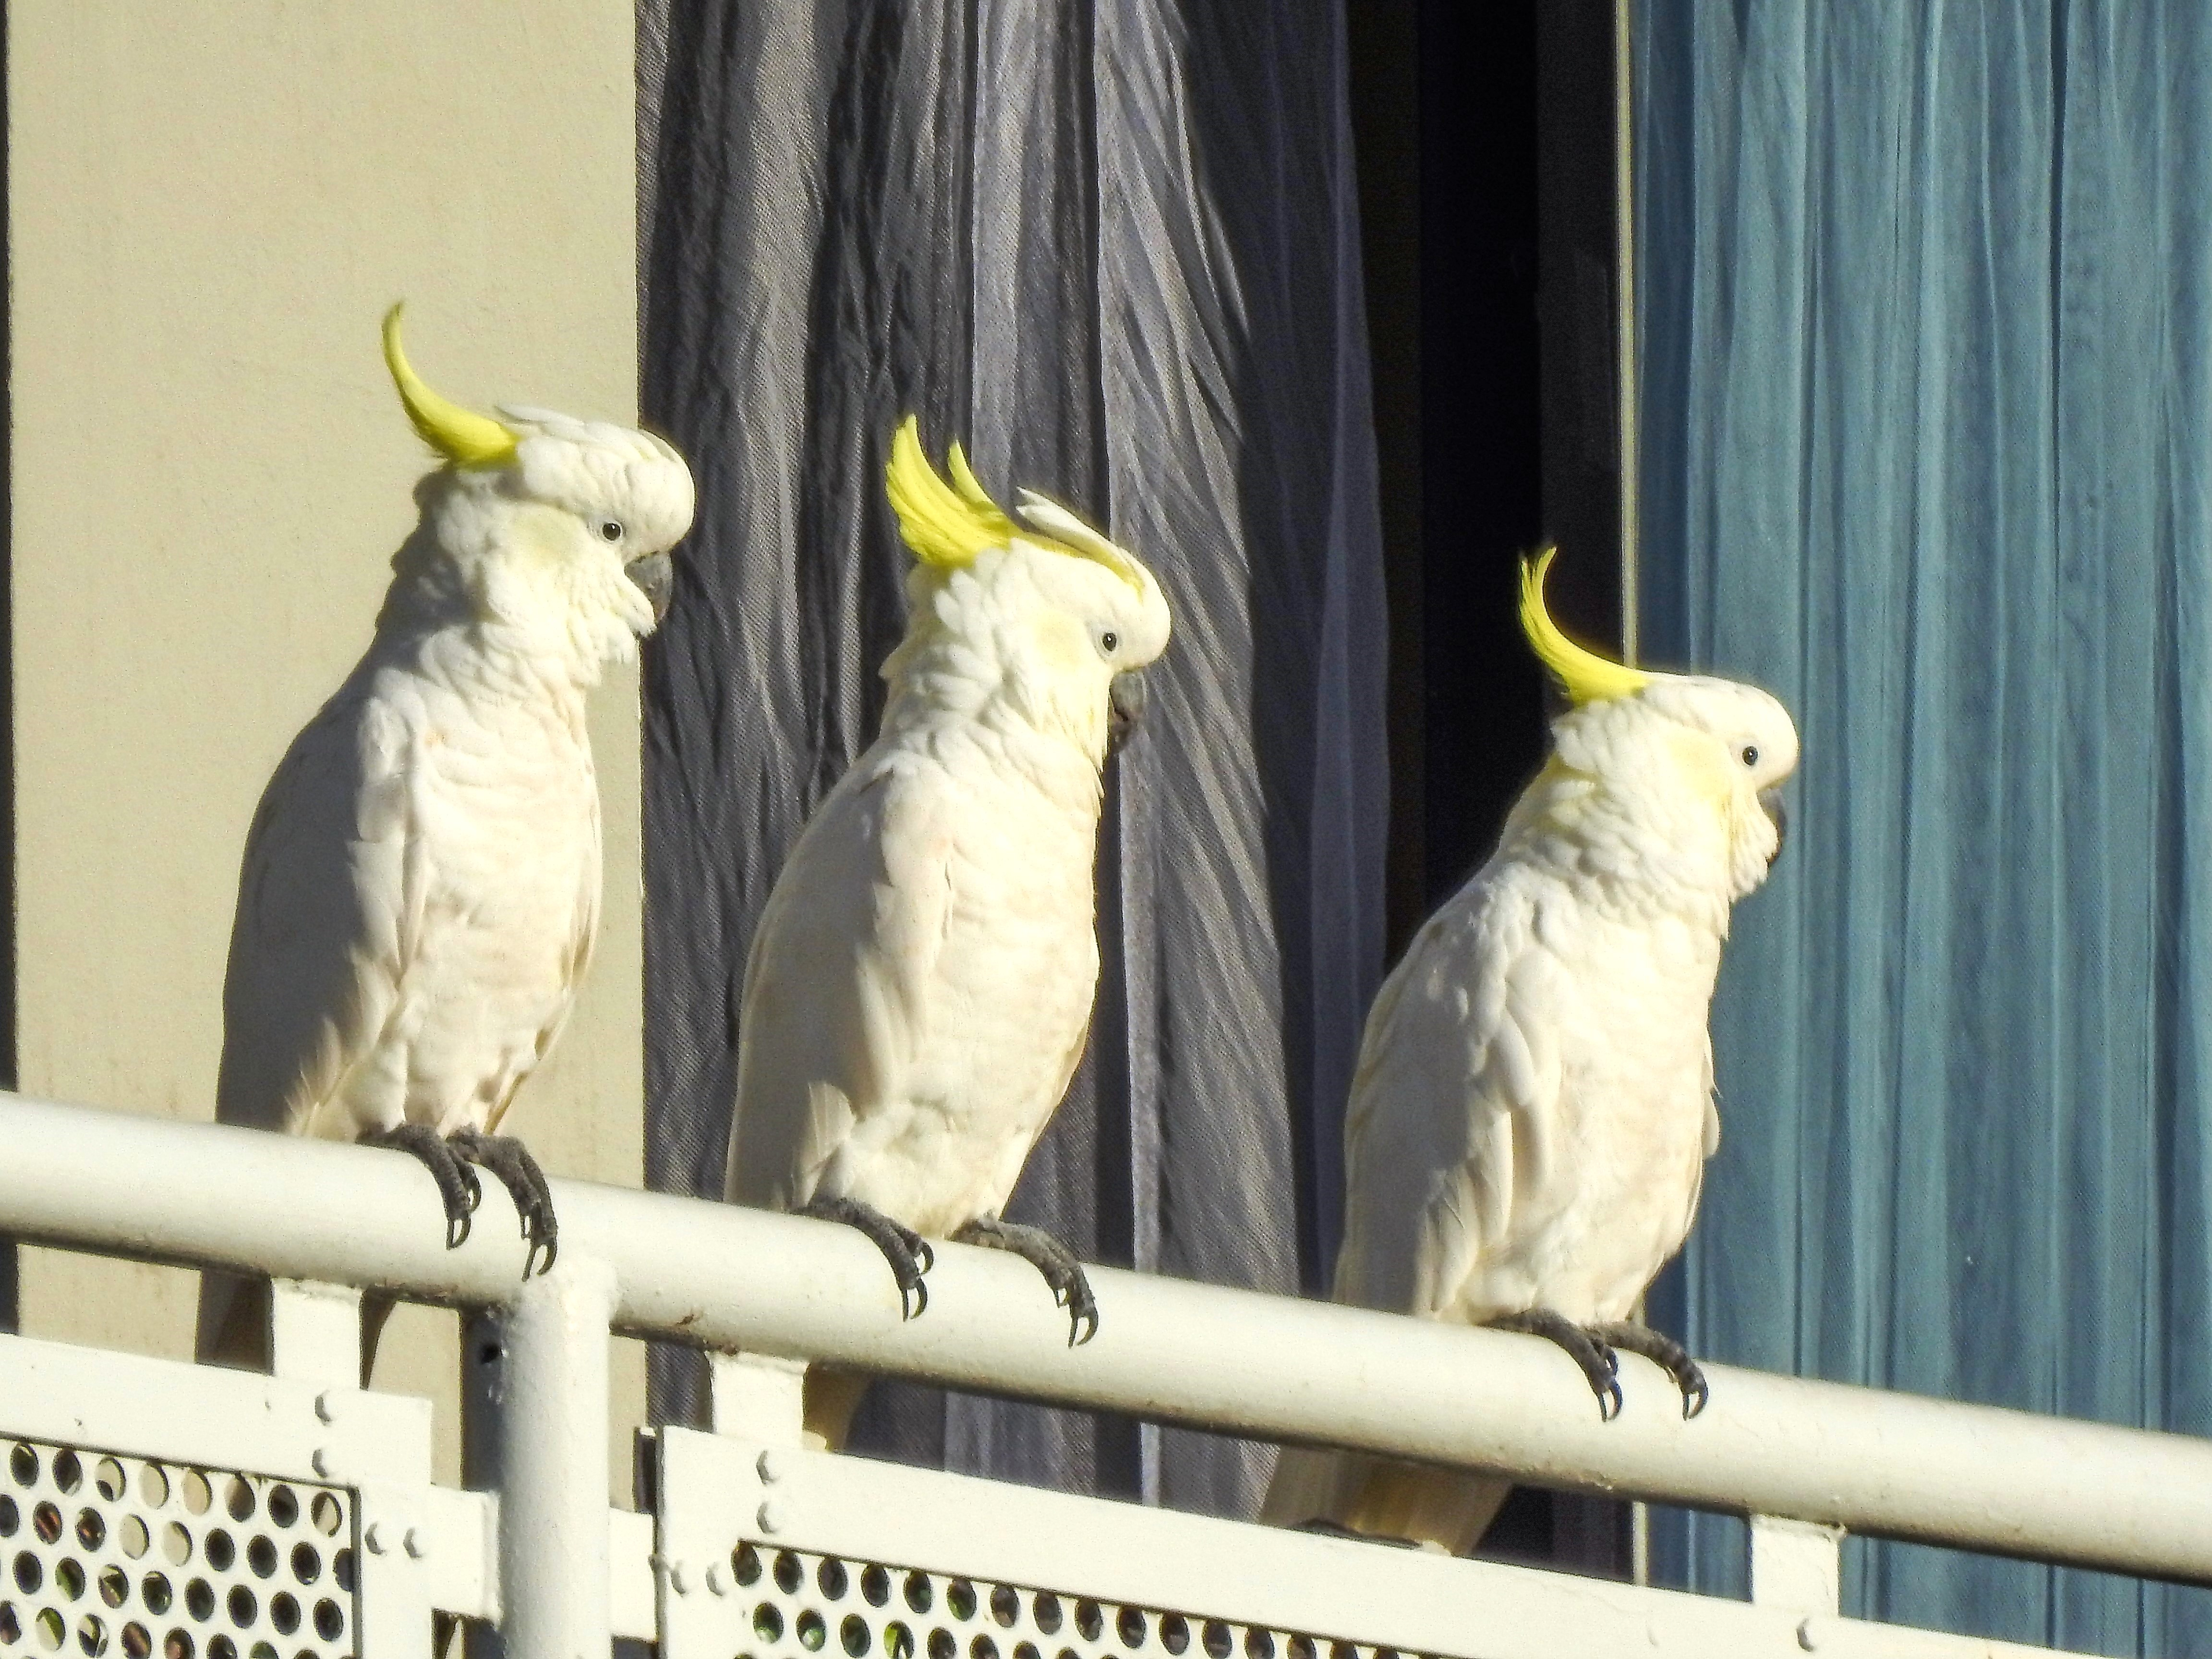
1927,314
1115,250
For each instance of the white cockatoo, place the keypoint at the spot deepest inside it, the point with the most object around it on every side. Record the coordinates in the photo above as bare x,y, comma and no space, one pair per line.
921,983
421,886
1534,1103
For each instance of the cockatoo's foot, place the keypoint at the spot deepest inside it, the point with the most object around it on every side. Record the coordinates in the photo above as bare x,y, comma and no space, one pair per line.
457,1183
1070,1289
907,1250
1586,1347
510,1160
1664,1351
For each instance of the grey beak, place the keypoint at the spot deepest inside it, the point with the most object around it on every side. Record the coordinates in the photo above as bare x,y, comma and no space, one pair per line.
1125,707
1778,815
654,576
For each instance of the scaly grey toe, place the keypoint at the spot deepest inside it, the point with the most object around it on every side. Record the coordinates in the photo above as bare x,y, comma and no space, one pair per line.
907,1251
1599,1362
509,1160
1070,1288
457,1187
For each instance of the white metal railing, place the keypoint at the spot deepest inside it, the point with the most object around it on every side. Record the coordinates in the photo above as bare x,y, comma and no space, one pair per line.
541,1556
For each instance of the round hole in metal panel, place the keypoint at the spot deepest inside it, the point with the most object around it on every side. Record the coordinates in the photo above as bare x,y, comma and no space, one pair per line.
241,1606
92,1635
1218,1642
69,1577
1026,1650
898,1641
284,1614
767,1622
108,1478
221,1647
11,1626
1006,1605
745,1565
154,1590
810,1630
114,1586
197,1494
960,1599
261,1556
199,1600
1129,1626
51,1629
854,1635
941,1644
23,1466
68,1473
137,1640
875,1586
1259,1645
130,1534
1302,1647
829,1577
982,1647
30,1572
789,1574
1175,1631
307,1563
91,1529
262,1650
153,1486
11,1517
219,1549
176,1544
1090,1620
327,1514
918,1594
342,1571
329,1620
46,1522
1045,1609
238,1498
1068,1653
283,1506
177,1645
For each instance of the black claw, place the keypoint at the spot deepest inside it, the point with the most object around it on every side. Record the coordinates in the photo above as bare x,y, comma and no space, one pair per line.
1588,1347
1665,1352
906,1250
458,1188
509,1160
1063,1273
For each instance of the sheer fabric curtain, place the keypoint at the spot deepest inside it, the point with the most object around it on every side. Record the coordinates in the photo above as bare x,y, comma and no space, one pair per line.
1927,433
1114,249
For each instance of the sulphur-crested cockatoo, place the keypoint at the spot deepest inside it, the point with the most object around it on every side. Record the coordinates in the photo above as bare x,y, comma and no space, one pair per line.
1534,1103
421,884
920,982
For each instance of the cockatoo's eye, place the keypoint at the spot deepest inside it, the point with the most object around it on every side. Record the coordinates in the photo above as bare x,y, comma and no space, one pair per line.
1751,754
1108,640
610,530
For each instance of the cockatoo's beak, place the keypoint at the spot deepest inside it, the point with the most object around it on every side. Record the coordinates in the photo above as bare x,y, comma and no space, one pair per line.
1125,707
654,576
1770,801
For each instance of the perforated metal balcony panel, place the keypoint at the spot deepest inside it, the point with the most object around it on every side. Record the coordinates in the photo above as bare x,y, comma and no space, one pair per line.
148,1507
776,1553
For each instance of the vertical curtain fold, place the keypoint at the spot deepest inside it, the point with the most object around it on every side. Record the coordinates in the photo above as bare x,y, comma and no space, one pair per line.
1925,421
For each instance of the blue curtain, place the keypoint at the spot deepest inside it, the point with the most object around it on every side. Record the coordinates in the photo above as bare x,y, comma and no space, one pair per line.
1927,433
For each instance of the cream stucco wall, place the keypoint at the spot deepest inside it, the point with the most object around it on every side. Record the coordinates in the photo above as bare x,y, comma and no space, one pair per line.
211,204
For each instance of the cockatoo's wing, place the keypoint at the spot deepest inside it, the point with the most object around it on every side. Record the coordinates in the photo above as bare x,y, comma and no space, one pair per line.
1449,1143
1455,1104
838,984
330,909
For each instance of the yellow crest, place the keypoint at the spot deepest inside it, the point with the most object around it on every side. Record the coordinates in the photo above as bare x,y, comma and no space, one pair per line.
1587,677
463,437
945,525
948,525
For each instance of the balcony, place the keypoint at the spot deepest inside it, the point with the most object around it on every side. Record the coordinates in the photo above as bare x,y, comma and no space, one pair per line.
209,1514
